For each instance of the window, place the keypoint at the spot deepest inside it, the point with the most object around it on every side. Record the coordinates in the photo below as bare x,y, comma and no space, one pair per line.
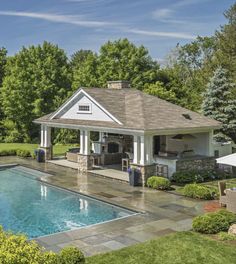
84,108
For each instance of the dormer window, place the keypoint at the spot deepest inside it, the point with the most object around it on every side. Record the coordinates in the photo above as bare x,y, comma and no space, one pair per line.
85,109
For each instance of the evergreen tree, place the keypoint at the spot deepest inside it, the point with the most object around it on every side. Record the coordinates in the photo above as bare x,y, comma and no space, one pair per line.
219,105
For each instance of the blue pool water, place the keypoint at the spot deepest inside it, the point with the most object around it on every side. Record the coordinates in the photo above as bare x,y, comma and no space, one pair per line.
36,209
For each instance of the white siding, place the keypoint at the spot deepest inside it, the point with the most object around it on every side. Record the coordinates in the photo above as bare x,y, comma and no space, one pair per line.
97,113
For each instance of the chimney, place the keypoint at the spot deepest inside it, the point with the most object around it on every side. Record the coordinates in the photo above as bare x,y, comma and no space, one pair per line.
117,85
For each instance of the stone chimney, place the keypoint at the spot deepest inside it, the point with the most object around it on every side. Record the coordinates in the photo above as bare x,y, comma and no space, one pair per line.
118,85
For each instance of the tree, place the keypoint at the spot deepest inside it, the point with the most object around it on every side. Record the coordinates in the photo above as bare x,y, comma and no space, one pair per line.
226,42
36,83
3,60
122,60
84,69
158,89
219,105
189,68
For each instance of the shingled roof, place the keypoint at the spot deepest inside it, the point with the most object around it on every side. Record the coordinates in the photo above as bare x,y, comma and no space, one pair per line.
138,111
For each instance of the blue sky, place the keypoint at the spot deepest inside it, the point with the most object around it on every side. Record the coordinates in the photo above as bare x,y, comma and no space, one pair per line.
87,24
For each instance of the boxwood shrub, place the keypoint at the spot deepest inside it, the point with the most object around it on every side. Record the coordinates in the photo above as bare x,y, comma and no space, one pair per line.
17,249
159,183
212,223
194,190
23,153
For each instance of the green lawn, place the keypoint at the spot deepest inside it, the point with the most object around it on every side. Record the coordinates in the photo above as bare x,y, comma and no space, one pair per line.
214,184
57,149
178,248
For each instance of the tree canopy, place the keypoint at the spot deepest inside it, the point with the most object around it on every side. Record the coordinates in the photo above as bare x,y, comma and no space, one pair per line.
36,82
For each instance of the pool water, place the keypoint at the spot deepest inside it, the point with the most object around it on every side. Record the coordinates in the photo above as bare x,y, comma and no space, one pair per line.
36,209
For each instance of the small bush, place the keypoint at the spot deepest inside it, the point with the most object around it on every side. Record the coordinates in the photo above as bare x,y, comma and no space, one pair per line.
223,236
17,249
10,152
213,223
71,255
159,183
23,153
197,191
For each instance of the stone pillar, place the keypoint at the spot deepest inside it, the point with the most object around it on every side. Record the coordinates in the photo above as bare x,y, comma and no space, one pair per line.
84,157
84,162
143,157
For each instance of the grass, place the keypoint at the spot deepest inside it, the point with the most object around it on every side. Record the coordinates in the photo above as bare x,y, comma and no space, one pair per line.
57,149
178,248
212,185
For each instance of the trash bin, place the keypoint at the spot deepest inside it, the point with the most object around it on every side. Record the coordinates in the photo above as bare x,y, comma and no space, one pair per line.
40,155
134,176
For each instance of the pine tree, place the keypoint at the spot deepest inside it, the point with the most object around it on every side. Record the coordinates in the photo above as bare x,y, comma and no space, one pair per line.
219,105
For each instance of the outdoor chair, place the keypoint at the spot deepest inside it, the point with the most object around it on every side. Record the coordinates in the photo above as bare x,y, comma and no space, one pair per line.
222,194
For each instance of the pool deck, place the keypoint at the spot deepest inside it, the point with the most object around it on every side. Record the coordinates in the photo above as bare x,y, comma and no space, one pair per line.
161,213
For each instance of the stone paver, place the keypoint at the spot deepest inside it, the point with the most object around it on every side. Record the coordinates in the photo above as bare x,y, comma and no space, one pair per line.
161,213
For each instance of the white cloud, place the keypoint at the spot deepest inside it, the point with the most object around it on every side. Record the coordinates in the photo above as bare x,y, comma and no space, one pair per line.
162,13
69,19
178,35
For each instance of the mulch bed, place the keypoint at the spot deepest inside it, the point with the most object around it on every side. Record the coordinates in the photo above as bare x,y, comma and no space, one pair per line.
212,206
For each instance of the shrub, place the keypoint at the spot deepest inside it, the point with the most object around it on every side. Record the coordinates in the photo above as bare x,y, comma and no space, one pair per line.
159,183
23,153
191,176
197,191
212,223
71,255
10,152
17,249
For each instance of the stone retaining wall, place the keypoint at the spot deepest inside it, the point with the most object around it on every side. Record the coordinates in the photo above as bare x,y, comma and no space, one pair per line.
207,163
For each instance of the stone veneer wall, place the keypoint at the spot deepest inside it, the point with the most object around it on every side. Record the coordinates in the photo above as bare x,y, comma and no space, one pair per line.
207,163
146,172
48,152
85,162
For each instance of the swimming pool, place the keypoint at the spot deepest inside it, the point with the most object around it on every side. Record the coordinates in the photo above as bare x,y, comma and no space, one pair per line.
37,209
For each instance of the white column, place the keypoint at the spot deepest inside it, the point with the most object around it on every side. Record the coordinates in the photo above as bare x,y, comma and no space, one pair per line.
47,136
142,150
81,141
87,142
42,136
149,149
136,149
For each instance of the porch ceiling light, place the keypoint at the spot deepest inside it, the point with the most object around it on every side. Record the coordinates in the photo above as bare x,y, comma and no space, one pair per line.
181,137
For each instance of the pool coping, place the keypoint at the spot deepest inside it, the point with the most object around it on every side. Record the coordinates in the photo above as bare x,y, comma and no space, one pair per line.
68,232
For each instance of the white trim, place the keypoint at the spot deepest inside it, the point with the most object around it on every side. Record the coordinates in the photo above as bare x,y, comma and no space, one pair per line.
93,128
91,98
